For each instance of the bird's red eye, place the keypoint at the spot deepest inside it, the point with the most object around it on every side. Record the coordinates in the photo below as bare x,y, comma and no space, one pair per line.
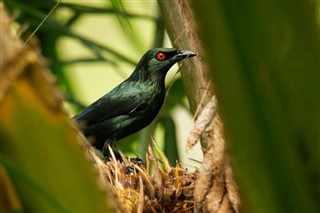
161,56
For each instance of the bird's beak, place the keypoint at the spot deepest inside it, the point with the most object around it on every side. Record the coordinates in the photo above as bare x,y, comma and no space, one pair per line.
182,54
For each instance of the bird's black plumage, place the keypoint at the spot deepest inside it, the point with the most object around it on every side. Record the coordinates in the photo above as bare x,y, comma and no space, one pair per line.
134,103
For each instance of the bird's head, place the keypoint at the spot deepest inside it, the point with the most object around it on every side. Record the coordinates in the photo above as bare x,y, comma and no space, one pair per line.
154,64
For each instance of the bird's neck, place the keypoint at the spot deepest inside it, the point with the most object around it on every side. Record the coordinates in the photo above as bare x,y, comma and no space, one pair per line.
152,78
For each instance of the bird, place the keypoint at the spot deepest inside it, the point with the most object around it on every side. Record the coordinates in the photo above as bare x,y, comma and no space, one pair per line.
134,103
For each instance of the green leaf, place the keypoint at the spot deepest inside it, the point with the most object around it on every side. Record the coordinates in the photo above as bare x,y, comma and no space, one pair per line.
175,97
40,149
170,145
264,57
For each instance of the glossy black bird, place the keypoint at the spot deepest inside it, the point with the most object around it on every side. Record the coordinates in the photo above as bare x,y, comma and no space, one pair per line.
134,103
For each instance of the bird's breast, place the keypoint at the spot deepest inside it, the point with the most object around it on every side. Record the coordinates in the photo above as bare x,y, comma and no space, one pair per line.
153,99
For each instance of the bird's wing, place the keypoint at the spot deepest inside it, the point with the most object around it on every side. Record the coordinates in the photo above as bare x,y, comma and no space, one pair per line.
123,100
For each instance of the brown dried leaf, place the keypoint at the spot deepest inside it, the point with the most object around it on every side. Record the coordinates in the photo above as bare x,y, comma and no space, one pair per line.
202,122
215,190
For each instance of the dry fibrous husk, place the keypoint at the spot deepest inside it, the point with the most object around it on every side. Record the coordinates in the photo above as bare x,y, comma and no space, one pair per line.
216,190
153,186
